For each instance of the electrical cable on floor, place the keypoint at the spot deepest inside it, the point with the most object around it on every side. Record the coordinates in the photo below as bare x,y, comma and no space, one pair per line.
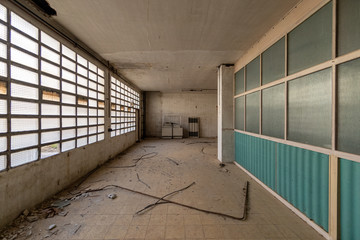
145,156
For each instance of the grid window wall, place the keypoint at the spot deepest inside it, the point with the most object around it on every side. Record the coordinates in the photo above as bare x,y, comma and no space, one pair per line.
124,102
51,98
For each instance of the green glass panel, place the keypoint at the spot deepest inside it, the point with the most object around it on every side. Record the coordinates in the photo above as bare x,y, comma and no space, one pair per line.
309,109
239,113
273,62
253,74
348,109
310,43
348,32
239,81
273,111
252,112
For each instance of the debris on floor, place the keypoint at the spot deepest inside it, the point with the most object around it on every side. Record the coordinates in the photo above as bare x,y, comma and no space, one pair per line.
112,195
52,226
142,181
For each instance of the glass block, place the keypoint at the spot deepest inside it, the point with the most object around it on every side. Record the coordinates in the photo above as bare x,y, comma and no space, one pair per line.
101,96
81,121
68,122
81,91
24,75
24,124
70,99
92,67
3,32
82,131
92,121
318,46
24,26
68,111
101,80
309,109
100,72
92,76
20,158
81,142
3,125
2,162
47,137
252,112
68,64
239,82
50,109
22,91
348,115
69,133
48,123
273,111
24,108
82,81
92,112
3,13
24,42
3,50
273,62
66,146
101,121
92,94
100,128
50,41
68,87
50,150
50,55
81,70
92,139
82,111
3,144
252,78
113,134
24,140
81,60
239,113
92,130
92,103
68,75
92,85
3,88
101,88
101,113
3,69
50,82
50,68
23,58
68,52
49,95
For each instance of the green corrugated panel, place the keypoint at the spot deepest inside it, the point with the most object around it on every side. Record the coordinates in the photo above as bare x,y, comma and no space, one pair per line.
257,156
349,199
303,180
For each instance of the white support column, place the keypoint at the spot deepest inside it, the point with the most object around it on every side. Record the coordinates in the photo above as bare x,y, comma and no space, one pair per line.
225,113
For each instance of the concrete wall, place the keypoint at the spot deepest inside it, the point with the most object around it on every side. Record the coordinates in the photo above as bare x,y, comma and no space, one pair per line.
186,105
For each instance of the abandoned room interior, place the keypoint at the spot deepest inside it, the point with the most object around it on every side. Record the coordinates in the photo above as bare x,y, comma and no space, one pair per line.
180,119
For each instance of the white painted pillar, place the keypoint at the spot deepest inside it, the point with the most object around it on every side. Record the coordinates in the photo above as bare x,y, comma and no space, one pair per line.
225,113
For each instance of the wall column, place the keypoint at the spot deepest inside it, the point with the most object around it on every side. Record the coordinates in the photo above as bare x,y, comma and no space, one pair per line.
225,113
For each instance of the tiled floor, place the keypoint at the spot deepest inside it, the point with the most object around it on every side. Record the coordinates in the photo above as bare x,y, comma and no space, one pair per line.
218,189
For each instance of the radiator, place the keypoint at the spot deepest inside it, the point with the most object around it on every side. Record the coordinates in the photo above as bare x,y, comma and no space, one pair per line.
194,127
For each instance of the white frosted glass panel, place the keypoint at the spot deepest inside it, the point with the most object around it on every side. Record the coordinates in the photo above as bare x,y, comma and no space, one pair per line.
68,52
239,112
92,94
66,98
81,60
24,124
66,146
3,50
2,162
50,68
252,112
100,72
273,62
3,32
68,122
24,108
92,130
50,109
100,120
23,58
92,67
92,139
68,111
81,131
69,133
50,55
24,75
3,13
100,137
92,121
50,41
50,150
82,121
68,87
24,26
24,42
100,88
82,111
92,76
92,103
22,91
3,69
101,128
82,81
68,75
3,144
82,142
100,112
68,64
50,82
48,123
47,137
82,91
81,71
3,125
92,112
23,141
23,157
100,96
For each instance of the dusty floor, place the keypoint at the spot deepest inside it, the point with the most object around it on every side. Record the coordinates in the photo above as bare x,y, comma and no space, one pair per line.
171,165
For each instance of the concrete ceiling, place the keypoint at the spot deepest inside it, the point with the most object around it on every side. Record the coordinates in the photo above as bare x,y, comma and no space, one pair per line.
170,45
